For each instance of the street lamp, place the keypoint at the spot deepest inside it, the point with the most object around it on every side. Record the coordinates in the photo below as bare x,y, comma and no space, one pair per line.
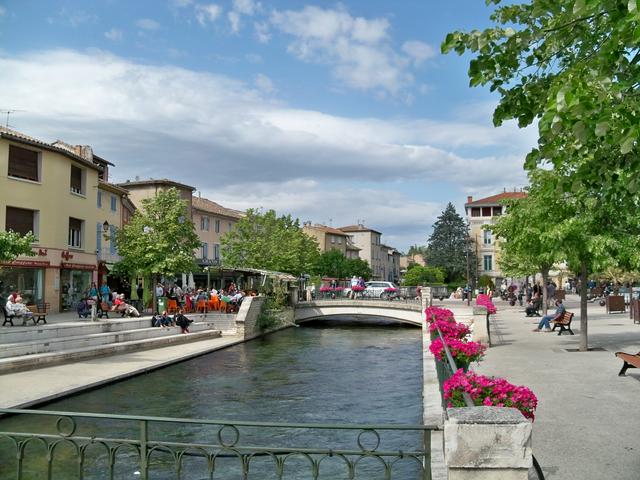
105,226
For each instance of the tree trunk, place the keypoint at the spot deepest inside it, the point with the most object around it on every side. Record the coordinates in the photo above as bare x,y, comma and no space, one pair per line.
584,343
545,277
154,301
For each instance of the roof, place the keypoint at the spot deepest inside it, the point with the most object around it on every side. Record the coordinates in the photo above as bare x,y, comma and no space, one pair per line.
207,205
113,188
101,160
19,137
324,228
351,246
155,181
496,199
358,228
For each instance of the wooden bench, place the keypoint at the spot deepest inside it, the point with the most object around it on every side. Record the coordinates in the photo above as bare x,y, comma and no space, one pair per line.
104,310
40,311
630,361
564,323
8,317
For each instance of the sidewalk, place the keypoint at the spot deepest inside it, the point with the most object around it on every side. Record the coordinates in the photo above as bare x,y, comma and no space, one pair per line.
587,423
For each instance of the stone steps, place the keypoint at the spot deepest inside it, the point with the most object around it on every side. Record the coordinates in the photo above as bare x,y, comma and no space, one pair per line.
39,360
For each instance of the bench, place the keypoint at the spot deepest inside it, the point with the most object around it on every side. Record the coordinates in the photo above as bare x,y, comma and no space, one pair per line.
9,316
630,361
564,323
40,311
104,310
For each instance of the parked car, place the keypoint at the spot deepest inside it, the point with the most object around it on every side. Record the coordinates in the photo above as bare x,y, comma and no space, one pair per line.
377,289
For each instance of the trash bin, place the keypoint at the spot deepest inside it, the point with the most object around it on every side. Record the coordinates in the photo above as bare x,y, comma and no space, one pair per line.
162,304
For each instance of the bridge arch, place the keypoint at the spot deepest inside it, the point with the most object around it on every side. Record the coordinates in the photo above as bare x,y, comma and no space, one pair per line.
408,313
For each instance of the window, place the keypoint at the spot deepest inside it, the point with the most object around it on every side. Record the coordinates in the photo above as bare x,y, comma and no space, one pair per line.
230,227
488,263
205,250
339,241
99,239
22,221
99,199
497,211
112,240
475,211
75,232
24,163
216,251
486,211
114,203
204,223
77,180
333,239
217,226
487,237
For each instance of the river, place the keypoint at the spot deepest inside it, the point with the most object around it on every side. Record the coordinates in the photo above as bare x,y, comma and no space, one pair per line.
323,372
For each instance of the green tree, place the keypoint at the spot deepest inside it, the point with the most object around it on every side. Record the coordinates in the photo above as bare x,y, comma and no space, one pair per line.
266,241
419,275
417,250
334,264
448,245
159,240
12,245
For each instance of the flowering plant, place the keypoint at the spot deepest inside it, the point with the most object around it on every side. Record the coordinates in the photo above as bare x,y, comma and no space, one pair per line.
390,290
462,352
485,301
338,289
357,288
450,329
325,289
489,391
438,314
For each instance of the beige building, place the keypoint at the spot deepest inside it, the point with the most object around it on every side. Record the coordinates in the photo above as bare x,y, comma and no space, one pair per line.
368,241
482,212
212,221
328,238
50,189
391,264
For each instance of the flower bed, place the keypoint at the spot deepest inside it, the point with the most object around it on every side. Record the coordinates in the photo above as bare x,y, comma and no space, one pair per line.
484,301
450,328
489,391
463,352
390,290
438,314
357,288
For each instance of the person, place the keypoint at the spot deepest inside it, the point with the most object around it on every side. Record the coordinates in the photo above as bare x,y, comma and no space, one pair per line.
551,292
140,291
354,283
84,310
544,325
159,290
182,321
93,292
105,293
15,307
163,320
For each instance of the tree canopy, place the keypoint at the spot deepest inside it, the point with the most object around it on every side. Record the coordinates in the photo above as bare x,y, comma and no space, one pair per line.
12,245
448,245
335,265
265,241
419,275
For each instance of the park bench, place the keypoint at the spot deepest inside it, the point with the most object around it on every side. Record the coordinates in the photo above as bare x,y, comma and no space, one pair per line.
9,316
564,323
40,311
104,310
630,361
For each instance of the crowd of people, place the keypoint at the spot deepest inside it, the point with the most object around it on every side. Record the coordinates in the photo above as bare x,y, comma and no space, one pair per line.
190,298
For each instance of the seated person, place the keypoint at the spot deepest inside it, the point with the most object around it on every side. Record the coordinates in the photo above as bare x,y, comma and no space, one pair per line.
163,320
84,310
15,306
182,321
119,304
534,305
544,326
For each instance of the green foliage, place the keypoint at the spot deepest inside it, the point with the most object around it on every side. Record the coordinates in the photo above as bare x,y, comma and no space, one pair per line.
448,245
12,245
266,241
485,281
335,265
160,239
417,250
419,275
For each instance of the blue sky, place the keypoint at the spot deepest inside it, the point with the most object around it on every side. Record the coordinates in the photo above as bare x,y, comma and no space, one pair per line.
334,112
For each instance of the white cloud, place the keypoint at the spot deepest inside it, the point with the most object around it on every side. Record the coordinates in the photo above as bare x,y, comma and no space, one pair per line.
144,117
208,13
181,3
75,18
246,7
264,84
261,30
418,51
234,21
147,24
358,50
114,34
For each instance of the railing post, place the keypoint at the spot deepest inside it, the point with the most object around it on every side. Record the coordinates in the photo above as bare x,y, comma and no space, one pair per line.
144,450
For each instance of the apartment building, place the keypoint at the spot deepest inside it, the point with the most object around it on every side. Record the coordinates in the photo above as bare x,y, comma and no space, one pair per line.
212,221
328,238
369,242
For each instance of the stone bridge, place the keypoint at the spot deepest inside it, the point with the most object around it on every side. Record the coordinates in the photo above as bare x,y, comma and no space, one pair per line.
405,312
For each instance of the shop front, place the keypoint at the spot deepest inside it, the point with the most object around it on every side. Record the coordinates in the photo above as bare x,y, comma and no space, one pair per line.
26,277
75,282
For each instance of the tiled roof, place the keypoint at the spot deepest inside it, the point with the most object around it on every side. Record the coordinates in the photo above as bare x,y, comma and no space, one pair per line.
326,229
112,187
496,199
358,228
155,181
207,205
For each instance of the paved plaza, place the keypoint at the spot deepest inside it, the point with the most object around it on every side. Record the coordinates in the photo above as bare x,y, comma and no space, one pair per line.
587,422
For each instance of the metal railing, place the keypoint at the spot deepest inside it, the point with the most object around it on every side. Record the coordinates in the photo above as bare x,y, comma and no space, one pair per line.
67,445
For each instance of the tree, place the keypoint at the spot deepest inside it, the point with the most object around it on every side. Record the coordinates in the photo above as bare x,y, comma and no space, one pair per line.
419,275
572,66
417,250
266,241
12,245
334,264
159,240
448,245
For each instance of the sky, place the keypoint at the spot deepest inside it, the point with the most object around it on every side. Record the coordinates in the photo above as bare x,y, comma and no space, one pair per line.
336,113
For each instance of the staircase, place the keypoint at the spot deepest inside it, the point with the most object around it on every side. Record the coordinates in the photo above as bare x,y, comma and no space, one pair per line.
28,347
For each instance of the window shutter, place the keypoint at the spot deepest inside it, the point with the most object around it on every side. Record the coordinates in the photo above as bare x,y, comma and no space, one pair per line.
112,240
99,239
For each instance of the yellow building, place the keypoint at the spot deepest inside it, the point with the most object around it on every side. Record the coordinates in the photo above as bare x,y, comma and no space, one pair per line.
51,190
212,221
482,212
329,238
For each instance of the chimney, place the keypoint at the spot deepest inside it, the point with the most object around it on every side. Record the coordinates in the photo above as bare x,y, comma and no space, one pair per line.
469,199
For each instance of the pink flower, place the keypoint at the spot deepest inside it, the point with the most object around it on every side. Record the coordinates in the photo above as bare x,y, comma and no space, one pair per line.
484,301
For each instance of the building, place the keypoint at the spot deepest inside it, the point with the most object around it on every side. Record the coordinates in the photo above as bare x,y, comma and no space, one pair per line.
212,221
368,241
391,264
484,212
329,238
52,190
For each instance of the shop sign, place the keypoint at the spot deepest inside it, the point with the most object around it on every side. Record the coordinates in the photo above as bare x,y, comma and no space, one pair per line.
66,255
77,266
26,263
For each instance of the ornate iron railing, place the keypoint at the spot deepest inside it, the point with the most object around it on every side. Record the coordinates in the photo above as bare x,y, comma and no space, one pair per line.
67,445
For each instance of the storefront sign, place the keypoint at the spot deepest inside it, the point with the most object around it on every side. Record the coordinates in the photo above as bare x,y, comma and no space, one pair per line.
26,263
77,266
66,255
